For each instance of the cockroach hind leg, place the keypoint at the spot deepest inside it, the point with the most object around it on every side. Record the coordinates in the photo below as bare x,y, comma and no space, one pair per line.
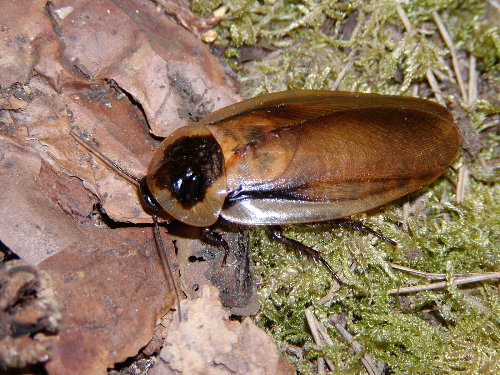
359,225
277,234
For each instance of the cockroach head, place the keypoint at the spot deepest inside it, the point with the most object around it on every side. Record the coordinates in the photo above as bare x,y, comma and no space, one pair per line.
186,176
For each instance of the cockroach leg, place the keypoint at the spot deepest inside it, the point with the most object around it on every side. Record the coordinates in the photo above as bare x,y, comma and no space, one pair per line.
277,234
358,225
211,237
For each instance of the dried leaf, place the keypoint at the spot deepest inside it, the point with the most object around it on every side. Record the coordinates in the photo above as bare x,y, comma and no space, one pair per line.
207,342
114,74
112,292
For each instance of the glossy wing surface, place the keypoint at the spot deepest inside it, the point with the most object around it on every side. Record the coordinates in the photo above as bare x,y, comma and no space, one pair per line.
246,121
324,164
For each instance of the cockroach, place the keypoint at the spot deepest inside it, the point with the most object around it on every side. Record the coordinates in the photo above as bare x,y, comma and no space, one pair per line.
299,157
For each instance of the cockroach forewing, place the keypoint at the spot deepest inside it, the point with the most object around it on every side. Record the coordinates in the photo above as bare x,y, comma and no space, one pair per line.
304,104
246,121
333,165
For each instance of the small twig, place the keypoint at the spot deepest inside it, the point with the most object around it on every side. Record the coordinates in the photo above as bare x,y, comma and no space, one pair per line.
370,365
495,4
311,320
434,86
334,287
463,174
439,74
429,75
320,335
342,74
430,275
454,60
406,213
423,31
404,19
321,366
472,79
442,284
414,89
296,351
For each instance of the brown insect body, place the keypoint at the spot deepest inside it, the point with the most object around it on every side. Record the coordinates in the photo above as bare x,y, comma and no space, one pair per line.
301,156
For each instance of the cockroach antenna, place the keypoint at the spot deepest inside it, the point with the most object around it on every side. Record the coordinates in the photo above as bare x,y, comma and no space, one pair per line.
136,182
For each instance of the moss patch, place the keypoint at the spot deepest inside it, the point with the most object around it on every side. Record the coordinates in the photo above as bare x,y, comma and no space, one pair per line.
364,46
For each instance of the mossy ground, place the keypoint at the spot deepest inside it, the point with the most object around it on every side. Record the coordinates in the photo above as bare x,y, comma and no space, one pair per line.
364,46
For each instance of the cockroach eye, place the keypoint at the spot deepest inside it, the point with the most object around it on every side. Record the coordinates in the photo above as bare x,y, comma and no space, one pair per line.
148,200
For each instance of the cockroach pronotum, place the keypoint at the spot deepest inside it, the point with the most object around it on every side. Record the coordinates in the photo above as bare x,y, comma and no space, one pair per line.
298,157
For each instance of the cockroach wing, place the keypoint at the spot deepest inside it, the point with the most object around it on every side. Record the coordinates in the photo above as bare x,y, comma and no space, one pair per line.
332,163
241,123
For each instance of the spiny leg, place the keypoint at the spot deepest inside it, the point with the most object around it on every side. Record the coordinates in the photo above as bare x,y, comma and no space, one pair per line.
277,234
358,225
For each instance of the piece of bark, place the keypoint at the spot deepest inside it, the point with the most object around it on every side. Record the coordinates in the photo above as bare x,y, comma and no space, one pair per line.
201,264
109,282
14,97
22,24
31,223
29,315
207,342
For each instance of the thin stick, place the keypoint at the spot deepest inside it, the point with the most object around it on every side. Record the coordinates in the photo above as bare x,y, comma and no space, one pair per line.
166,263
342,74
495,4
406,214
435,86
404,18
430,275
472,79
454,60
320,336
429,75
463,174
370,365
334,288
442,284
321,366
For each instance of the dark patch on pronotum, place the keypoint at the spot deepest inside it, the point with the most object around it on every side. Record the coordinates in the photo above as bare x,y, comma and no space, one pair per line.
189,166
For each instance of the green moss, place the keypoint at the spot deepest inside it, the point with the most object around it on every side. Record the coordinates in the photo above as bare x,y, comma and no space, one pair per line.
280,45
204,7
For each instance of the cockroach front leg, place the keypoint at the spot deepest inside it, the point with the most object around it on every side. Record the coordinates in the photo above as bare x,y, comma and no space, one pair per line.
211,237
